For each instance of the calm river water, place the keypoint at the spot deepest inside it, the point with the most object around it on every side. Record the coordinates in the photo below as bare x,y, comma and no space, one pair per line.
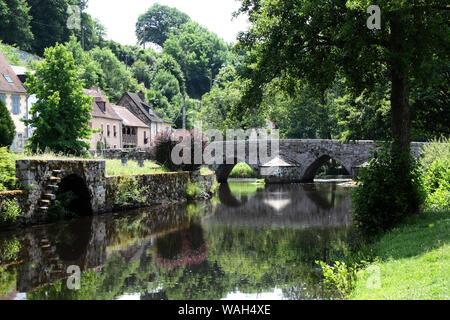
249,242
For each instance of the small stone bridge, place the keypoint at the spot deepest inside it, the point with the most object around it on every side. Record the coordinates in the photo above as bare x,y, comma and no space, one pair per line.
294,160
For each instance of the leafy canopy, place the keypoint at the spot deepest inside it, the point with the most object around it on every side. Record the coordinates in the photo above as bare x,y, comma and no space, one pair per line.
62,108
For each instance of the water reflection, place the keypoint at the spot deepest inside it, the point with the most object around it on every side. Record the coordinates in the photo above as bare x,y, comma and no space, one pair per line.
251,241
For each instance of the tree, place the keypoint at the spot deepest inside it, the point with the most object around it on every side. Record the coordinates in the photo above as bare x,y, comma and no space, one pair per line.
315,41
200,53
62,107
15,23
116,78
7,128
155,25
49,24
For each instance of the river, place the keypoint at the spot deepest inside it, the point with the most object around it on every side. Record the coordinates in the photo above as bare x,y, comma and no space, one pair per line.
251,241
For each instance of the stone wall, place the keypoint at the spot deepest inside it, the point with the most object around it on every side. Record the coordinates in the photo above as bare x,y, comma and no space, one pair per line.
145,190
44,178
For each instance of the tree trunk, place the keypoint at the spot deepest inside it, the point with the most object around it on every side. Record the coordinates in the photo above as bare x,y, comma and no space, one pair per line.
400,113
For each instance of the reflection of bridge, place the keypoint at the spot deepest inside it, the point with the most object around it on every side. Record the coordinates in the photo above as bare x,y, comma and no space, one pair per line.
296,160
295,205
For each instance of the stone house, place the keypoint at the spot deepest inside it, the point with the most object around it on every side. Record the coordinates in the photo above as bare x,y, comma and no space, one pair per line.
135,133
14,95
104,119
136,104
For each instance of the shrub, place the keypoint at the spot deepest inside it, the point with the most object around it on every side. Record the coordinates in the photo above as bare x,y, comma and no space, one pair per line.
436,172
166,141
9,212
129,193
7,128
339,276
242,170
58,208
194,190
390,189
8,179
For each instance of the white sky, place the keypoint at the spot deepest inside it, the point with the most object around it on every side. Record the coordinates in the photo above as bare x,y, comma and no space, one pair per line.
119,16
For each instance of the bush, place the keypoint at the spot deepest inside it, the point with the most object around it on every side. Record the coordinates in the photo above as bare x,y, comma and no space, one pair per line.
166,141
9,212
391,189
7,128
8,179
242,170
339,276
59,208
129,193
436,172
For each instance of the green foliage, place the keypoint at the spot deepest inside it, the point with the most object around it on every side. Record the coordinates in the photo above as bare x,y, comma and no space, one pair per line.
242,170
7,127
9,249
58,209
194,190
200,53
15,23
339,276
436,171
8,179
390,189
116,78
9,212
49,23
62,106
155,25
129,192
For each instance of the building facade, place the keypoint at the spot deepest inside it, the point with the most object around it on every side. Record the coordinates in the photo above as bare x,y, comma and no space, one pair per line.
136,104
14,95
105,121
135,133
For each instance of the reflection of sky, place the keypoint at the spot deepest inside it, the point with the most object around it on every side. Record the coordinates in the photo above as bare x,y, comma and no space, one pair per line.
276,294
130,296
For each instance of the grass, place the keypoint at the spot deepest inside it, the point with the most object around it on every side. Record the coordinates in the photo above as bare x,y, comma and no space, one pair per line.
115,168
242,170
413,261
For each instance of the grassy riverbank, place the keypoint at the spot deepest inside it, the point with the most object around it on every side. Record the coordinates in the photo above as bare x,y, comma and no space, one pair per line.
413,261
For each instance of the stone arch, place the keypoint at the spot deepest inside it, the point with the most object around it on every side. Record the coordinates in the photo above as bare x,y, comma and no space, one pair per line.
81,204
311,169
223,170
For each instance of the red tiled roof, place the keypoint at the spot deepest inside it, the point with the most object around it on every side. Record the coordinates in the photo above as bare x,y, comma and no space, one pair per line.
128,119
16,85
99,97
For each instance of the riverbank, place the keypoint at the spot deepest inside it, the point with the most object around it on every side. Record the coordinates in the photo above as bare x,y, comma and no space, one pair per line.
412,262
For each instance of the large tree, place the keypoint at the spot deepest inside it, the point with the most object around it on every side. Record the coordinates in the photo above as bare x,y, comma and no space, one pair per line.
316,40
62,108
49,24
155,25
200,53
15,23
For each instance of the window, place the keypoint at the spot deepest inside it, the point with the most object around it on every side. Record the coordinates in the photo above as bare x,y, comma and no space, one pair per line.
115,132
133,132
8,78
102,130
107,129
124,130
101,105
3,97
16,105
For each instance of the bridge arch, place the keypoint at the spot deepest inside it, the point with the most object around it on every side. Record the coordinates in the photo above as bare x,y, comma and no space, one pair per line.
312,168
223,171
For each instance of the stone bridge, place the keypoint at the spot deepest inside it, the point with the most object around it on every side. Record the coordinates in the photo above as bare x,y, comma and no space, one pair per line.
293,160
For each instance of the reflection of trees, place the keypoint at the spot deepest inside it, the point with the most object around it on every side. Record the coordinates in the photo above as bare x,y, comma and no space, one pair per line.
183,247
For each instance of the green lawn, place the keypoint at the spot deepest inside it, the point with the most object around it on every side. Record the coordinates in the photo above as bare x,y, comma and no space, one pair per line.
115,168
413,261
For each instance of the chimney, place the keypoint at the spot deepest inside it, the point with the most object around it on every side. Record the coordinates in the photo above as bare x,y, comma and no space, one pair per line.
141,95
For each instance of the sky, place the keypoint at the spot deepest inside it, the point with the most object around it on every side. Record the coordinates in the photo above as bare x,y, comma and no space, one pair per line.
119,16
